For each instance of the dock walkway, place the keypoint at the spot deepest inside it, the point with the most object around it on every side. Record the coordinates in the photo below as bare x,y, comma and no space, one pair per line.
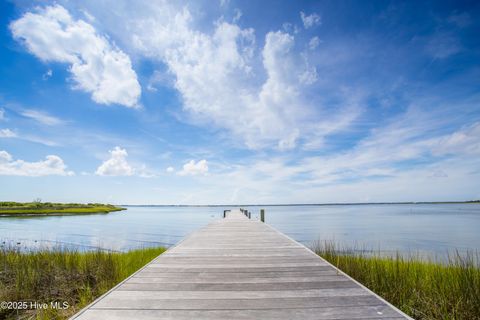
237,268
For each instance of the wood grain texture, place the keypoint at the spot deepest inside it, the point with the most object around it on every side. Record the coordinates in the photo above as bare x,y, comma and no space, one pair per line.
236,268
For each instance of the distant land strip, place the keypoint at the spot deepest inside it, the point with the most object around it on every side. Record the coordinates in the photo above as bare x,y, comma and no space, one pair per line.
8,208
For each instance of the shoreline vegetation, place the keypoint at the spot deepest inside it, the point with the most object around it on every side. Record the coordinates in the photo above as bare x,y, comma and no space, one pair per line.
8,208
421,288
63,276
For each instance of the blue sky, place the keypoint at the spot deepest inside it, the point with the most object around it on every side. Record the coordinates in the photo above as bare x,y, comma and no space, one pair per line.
206,102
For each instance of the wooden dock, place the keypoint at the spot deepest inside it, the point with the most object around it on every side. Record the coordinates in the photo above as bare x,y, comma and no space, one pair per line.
237,268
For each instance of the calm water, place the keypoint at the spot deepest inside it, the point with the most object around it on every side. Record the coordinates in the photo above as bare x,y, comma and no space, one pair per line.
433,229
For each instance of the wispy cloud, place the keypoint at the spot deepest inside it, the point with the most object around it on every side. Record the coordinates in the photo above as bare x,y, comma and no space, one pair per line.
311,20
460,19
443,45
237,15
404,155
159,78
314,43
47,74
42,117
7,133
38,139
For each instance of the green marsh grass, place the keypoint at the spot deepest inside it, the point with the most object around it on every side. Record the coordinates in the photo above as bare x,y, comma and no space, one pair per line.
63,275
49,208
421,288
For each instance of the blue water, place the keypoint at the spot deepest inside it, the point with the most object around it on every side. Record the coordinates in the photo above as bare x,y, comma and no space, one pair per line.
434,229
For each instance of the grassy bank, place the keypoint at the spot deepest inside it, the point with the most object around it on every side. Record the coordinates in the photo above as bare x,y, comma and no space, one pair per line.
422,289
63,276
48,208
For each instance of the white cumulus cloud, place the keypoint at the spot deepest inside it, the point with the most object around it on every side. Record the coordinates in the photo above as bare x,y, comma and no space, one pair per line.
194,168
259,92
311,20
214,75
7,133
97,66
52,165
116,165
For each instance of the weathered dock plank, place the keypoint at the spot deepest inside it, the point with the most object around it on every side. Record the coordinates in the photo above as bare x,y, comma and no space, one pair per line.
236,268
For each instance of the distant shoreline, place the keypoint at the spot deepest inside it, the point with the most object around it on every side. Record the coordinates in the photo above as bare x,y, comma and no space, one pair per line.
299,204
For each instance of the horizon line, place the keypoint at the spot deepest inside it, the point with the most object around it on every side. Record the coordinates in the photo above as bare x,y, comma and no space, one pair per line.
294,204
